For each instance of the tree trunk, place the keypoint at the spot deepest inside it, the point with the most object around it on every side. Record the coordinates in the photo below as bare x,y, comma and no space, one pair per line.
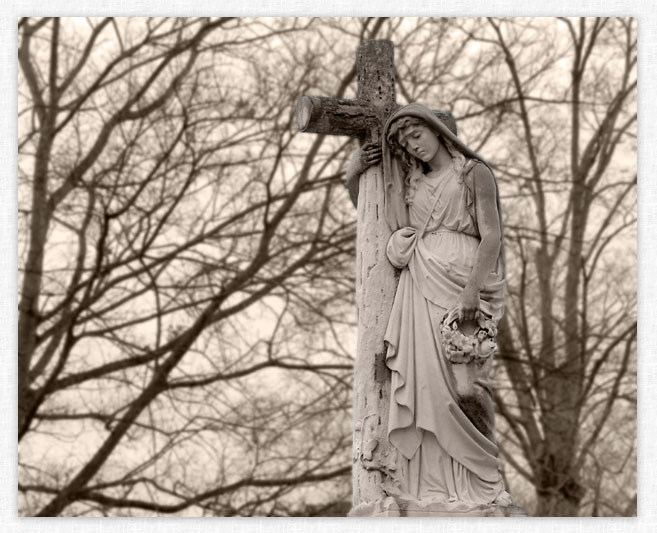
556,504
558,492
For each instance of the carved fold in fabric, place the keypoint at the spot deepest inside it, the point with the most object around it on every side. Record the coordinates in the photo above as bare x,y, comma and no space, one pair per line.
425,396
441,415
402,242
401,246
441,261
427,404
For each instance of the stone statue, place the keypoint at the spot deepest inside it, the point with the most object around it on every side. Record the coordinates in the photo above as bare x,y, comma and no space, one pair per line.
442,205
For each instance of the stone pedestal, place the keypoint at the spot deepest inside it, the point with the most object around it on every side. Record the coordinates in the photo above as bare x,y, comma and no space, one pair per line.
396,507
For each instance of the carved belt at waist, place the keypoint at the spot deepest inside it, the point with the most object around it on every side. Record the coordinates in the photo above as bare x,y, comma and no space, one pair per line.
444,230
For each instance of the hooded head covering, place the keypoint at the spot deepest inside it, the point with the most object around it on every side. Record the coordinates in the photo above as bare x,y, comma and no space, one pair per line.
396,211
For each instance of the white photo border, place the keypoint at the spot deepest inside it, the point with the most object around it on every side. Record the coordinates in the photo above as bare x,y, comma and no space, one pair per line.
647,259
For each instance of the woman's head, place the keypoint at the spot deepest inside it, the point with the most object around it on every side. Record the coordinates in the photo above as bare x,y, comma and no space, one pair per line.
415,143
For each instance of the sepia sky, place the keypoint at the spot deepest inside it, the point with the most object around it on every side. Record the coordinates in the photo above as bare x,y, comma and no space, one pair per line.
647,292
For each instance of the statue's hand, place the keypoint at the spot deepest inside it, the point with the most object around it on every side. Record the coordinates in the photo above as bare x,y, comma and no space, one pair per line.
367,155
467,306
370,154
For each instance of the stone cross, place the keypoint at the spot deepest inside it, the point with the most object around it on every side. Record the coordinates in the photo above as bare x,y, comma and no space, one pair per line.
376,280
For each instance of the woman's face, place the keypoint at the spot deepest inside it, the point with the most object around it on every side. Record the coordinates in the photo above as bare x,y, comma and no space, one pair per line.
419,141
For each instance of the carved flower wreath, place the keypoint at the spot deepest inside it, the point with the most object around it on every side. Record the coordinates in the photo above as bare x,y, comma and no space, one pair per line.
460,348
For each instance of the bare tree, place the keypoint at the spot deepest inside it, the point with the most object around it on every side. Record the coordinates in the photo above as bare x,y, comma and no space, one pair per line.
569,341
181,270
186,319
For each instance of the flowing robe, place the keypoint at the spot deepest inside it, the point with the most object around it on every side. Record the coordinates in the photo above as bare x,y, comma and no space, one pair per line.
441,413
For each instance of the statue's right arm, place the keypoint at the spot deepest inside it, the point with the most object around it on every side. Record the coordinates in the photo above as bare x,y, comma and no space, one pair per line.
367,155
354,170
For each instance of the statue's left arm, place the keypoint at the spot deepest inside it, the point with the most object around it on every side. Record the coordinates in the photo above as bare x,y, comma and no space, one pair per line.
488,252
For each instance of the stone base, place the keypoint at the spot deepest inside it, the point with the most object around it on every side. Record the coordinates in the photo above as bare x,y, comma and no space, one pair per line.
394,506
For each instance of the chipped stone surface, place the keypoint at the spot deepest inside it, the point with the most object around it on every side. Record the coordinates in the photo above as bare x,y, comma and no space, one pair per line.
376,281
399,507
376,284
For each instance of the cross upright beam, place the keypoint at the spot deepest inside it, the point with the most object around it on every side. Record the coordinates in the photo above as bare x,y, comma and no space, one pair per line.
376,280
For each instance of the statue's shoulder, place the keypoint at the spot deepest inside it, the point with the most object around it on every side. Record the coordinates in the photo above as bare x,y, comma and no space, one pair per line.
469,171
480,185
473,170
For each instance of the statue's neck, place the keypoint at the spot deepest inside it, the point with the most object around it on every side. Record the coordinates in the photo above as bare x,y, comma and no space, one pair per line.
441,160
440,173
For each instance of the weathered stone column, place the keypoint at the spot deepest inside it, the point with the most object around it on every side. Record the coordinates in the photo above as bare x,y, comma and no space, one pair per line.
364,118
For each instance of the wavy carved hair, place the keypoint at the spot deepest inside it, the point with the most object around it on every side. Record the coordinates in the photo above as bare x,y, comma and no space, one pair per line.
409,162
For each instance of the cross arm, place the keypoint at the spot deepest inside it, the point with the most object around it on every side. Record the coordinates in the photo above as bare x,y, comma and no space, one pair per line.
335,116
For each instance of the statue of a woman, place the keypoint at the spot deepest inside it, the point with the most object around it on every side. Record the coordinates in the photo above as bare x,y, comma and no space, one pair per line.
443,207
